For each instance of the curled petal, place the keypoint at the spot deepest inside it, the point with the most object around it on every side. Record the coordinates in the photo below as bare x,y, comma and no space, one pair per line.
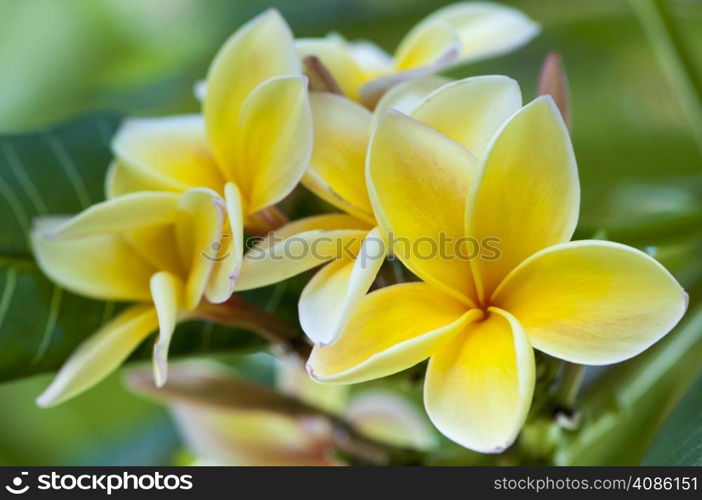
198,231
228,259
329,299
167,293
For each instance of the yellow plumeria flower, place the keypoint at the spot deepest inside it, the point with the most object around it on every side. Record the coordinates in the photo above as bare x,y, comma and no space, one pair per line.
147,247
587,302
458,33
248,152
251,145
342,129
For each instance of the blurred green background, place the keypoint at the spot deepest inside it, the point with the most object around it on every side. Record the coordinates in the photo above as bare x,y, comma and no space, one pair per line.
641,172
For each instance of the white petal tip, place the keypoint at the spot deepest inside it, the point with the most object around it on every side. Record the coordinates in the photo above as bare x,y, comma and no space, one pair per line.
44,401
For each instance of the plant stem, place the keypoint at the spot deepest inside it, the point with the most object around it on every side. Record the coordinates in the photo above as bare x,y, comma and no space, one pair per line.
675,58
238,313
569,385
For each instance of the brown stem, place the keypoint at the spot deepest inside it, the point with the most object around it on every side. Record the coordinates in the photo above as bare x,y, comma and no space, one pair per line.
320,78
238,313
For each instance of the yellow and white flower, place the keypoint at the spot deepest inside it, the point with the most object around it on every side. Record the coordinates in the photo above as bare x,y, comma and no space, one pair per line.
342,129
179,186
145,247
478,320
251,145
458,33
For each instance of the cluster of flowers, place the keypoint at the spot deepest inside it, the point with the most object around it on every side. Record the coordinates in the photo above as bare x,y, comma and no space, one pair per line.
398,151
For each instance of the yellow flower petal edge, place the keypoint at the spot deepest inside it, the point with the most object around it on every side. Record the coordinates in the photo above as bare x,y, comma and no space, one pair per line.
101,354
417,181
528,194
485,29
392,328
170,153
592,302
428,44
470,111
406,96
261,49
479,386
167,292
329,299
273,141
103,266
231,252
289,250
198,227
341,133
130,211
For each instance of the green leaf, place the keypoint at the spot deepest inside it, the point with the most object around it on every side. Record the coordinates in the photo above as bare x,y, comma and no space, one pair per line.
680,440
61,171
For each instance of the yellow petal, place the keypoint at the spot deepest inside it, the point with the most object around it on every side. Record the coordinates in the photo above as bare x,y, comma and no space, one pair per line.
299,246
406,96
423,51
158,246
341,133
167,293
528,197
427,44
123,213
337,57
592,302
123,179
274,141
479,386
169,153
101,354
470,111
330,298
104,266
418,181
392,329
231,252
261,49
198,232
485,29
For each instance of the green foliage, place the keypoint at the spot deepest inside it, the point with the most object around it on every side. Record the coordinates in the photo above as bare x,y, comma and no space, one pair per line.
680,440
